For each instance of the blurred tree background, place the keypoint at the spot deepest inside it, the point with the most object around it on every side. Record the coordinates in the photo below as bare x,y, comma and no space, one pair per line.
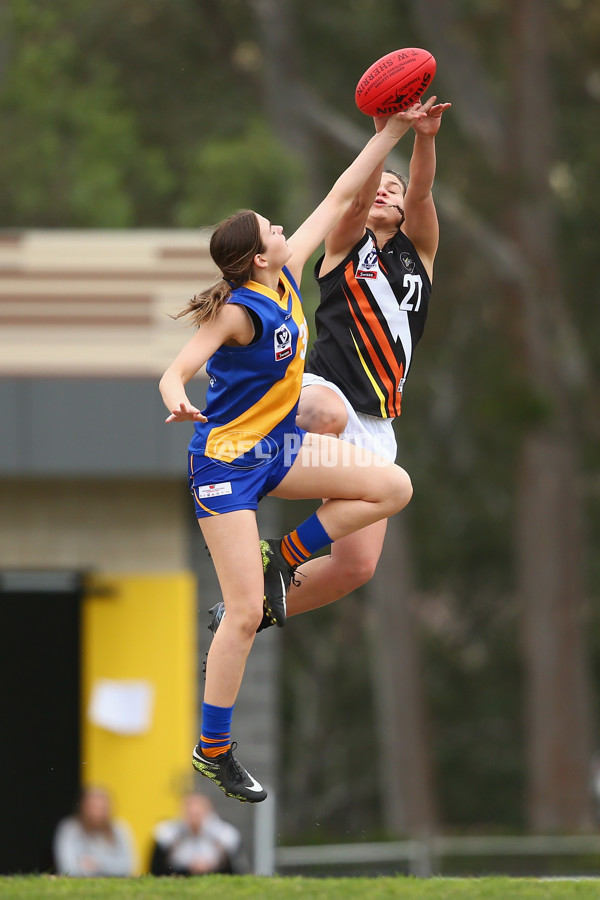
460,688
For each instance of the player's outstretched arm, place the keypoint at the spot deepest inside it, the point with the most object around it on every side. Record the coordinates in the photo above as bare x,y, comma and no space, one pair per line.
421,224
351,226
312,232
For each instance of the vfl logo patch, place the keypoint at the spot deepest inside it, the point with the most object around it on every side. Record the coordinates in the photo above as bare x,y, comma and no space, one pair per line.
282,342
368,269
407,261
214,490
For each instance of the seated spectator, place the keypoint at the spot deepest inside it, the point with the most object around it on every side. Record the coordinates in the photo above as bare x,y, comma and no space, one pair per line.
197,843
91,842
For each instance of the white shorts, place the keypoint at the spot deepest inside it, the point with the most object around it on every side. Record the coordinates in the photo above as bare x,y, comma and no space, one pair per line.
374,434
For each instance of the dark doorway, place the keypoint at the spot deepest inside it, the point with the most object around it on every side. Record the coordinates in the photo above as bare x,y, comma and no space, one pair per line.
40,689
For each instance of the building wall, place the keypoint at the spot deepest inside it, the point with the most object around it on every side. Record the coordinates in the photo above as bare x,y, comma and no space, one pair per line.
93,525
96,302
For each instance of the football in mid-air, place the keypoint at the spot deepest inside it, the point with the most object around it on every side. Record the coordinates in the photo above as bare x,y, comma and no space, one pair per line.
395,81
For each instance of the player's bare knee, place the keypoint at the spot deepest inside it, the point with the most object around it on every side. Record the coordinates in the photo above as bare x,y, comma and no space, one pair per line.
322,418
399,489
405,489
245,620
359,572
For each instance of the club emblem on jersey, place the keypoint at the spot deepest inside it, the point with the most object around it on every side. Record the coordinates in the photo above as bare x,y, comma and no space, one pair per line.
283,342
407,261
368,268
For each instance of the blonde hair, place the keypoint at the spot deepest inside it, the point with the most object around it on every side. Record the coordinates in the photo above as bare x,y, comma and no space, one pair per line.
233,245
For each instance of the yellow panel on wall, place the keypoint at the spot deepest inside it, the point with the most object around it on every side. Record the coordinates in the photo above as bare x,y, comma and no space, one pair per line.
141,628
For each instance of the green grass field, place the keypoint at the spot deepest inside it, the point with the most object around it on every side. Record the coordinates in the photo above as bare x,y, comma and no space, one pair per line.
224,887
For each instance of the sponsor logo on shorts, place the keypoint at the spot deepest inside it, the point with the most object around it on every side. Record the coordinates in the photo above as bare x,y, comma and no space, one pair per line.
283,342
214,490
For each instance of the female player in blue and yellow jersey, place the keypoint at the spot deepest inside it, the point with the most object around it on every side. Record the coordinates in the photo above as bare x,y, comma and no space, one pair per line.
252,336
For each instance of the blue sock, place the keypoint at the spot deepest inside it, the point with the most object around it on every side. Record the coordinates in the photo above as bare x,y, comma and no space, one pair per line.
305,540
216,729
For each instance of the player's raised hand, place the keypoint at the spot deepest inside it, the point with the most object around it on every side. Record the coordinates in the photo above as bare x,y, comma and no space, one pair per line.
398,123
429,124
186,413
417,111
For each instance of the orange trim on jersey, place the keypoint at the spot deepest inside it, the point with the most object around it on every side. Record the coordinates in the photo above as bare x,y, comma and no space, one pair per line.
372,379
398,403
383,343
387,384
381,372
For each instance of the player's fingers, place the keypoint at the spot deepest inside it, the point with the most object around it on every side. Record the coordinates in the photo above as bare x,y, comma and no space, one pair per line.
429,102
416,111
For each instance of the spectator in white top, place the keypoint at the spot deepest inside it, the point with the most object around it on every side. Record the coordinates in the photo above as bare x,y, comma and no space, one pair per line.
92,842
197,843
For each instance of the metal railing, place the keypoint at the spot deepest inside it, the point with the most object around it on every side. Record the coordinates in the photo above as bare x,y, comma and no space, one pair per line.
422,857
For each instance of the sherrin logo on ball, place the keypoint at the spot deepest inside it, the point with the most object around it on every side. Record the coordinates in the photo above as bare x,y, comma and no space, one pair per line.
395,81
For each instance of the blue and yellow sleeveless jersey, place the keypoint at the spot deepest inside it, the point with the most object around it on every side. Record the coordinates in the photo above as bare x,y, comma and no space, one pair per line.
253,392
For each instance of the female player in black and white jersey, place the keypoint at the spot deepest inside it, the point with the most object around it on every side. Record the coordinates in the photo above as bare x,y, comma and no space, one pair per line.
375,280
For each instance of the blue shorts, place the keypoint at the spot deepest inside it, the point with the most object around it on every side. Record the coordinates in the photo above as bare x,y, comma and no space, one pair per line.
220,487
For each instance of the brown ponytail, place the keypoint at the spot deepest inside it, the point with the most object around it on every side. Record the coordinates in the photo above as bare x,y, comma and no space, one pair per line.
233,245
